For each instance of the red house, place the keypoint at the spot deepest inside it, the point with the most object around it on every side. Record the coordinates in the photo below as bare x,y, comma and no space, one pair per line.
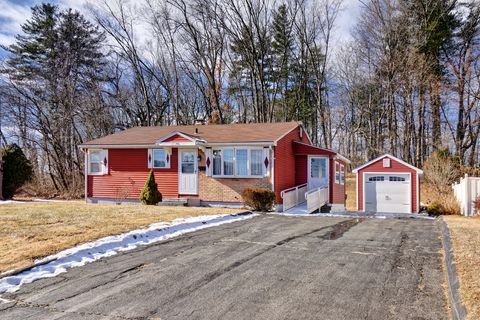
211,164
388,184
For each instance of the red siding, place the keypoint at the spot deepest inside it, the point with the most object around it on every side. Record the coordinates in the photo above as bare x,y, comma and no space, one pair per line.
337,190
176,138
128,172
285,162
301,169
395,166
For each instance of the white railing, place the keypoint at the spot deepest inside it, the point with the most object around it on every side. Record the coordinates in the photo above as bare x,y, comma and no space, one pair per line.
316,198
466,191
293,196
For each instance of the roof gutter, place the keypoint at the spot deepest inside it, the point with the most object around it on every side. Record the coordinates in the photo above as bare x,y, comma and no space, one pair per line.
198,142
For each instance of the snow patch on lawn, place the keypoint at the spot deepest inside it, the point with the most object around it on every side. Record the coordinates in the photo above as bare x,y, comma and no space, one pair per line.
56,264
10,201
30,201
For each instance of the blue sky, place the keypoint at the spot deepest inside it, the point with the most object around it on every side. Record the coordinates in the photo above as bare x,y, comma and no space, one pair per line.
14,12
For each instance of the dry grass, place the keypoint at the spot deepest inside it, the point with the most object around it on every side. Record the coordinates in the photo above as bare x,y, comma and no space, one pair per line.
34,230
351,191
465,234
430,194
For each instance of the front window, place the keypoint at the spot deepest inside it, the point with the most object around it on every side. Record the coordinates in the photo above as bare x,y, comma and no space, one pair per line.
237,162
241,157
96,161
228,162
256,165
217,162
159,158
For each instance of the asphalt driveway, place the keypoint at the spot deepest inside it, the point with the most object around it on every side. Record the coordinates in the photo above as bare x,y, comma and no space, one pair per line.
267,267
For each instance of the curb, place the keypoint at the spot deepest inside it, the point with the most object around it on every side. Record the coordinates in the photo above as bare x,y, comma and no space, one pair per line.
458,309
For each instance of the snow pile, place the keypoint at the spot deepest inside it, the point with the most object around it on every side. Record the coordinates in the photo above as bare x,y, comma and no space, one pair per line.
10,201
31,201
53,265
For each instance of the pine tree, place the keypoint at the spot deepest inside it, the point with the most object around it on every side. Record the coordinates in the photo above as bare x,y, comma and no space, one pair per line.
17,169
282,46
57,68
150,194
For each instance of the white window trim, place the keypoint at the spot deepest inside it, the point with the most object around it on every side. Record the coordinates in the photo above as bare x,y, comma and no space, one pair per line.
167,163
342,174
337,172
104,170
249,175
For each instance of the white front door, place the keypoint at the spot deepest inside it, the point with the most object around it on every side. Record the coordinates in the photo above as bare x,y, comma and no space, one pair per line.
187,172
317,172
388,192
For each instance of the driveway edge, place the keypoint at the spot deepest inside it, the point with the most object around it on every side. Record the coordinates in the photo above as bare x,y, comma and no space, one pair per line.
458,309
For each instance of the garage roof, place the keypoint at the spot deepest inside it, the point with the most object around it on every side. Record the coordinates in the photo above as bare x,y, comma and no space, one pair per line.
419,171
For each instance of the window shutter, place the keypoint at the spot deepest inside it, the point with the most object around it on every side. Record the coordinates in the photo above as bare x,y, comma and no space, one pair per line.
168,157
208,162
105,161
266,162
150,159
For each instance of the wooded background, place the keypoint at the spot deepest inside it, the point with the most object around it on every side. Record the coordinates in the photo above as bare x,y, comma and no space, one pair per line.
408,83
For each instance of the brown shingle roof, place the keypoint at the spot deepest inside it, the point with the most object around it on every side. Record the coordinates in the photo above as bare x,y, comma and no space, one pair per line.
226,133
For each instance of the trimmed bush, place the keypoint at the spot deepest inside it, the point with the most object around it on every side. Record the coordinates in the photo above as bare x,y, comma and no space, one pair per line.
17,170
259,199
150,194
435,208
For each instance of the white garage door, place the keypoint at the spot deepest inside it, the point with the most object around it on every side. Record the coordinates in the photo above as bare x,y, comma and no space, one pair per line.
387,192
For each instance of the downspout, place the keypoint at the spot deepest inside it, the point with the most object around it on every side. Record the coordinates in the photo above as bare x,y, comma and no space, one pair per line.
85,170
272,151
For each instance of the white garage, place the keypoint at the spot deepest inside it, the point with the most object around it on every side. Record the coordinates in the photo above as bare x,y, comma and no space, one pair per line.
388,184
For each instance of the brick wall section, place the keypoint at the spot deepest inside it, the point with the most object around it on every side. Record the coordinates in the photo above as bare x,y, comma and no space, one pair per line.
395,166
128,171
227,189
285,162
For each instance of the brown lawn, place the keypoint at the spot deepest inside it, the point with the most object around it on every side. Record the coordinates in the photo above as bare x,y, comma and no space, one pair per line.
351,191
465,233
29,231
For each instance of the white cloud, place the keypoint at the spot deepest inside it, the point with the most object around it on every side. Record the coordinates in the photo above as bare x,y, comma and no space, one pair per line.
347,19
11,17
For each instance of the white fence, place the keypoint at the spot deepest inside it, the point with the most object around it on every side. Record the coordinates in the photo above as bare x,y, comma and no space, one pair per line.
466,191
293,196
316,199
